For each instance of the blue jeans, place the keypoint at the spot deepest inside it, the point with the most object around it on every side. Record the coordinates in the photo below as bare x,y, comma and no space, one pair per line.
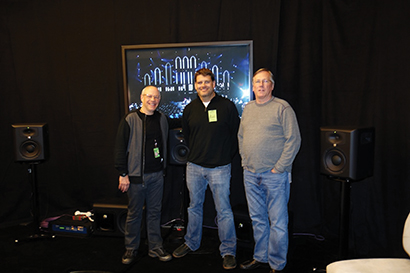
149,193
218,179
268,195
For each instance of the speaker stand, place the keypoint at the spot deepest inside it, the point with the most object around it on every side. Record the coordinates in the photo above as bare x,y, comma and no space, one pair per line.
184,205
178,226
38,233
344,224
344,219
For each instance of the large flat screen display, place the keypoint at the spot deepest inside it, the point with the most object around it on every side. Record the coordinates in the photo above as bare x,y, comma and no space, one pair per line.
171,68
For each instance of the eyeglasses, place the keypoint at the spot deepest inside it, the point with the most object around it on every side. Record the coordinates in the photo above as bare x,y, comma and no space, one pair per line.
151,97
262,81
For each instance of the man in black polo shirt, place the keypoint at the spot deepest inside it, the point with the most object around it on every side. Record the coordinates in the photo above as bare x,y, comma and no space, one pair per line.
210,125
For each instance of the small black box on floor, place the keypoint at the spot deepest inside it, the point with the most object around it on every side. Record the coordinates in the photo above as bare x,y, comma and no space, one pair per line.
66,226
110,217
243,226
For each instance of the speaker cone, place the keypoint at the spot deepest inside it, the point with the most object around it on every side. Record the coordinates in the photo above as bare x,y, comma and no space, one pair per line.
180,153
335,160
30,149
178,148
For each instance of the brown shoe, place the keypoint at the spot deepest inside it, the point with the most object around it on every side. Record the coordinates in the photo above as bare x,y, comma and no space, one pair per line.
252,264
129,256
229,262
181,251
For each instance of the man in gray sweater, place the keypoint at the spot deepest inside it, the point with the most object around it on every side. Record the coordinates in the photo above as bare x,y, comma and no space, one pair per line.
269,140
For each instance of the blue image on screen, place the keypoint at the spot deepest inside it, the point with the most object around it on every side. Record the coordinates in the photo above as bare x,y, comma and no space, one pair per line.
172,68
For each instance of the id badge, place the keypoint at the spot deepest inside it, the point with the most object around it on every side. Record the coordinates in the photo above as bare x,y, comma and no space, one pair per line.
212,116
156,152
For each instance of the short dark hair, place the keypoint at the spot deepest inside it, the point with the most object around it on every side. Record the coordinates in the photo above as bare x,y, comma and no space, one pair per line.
205,72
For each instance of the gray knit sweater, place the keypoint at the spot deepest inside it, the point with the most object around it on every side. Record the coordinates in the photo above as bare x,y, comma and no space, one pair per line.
268,136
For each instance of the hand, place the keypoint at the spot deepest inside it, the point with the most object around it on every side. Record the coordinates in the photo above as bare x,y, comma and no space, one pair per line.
124,183
273,171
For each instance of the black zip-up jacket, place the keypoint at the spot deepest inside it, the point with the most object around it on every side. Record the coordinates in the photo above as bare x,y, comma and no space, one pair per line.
211,132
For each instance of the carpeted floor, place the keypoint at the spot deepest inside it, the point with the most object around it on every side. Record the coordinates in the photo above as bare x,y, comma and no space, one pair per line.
102,253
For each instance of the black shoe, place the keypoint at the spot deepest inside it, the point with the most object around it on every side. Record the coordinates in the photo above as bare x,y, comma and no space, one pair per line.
129,256
160,252
252,264
229,262
181,251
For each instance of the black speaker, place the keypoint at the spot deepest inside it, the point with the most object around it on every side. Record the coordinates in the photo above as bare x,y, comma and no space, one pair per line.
30,142
110,218
243,226
177,147
347,152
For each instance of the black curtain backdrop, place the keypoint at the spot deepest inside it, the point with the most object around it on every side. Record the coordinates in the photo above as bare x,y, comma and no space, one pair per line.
337,62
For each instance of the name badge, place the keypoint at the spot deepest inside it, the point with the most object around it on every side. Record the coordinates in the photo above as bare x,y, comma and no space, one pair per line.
156,152
212,116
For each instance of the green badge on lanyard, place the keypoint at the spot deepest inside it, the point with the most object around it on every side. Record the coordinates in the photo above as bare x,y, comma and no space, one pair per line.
156,149
156,152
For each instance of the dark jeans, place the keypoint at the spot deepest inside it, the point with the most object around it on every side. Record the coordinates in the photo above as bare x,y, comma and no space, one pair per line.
150,194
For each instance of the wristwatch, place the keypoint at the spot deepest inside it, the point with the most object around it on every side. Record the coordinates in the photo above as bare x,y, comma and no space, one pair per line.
124,174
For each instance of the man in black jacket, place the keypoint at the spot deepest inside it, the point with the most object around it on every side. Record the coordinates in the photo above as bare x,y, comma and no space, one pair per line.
210,125
140,158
